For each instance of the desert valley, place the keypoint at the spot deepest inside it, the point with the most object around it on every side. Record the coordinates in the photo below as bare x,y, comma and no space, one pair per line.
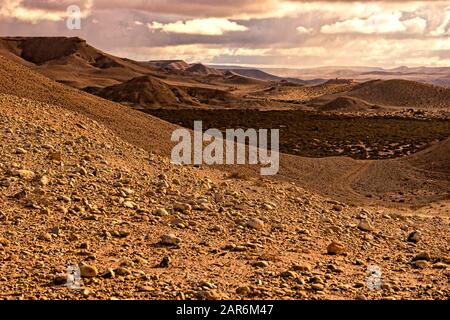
86,180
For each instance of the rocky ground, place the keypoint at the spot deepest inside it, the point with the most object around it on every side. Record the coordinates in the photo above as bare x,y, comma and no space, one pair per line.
74,194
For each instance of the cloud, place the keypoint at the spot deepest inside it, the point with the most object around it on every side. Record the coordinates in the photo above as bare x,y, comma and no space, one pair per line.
303,30
444,28
14,9
208,26
264,32
41,10
416,25
194,8
381,23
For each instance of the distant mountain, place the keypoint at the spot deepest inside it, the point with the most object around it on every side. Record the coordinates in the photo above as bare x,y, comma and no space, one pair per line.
171,64
236,78
322,72
432,75
181,65
263,75
201,69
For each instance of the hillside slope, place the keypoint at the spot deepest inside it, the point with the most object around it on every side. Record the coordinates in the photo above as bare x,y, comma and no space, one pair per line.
402,93
129,124
73,194
71,61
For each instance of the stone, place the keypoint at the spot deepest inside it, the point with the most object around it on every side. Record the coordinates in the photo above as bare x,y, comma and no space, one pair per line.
65,198
439,265
365,225
140,260
74,237
27,175
129,204
301,267
178,223
216,228
20,195
85,245
243,290
255,223
160,212
127,191
56,156
268,206
260,264
207,285
144,288
88,271
338,207
44,180
170,240
55,231
317,287
421,264
120,233
46,236
165,262
21,151
208,295
182,207
289,274
82,171
121,271
385,286
3,217
60,279
108,274
4,242
86,292
336,248
422,256
415,236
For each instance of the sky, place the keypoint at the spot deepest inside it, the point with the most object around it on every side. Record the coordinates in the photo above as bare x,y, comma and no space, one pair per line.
268,33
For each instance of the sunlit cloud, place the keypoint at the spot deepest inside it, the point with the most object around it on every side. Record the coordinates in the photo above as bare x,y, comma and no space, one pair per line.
380,23
43,10
209,26
303,30
444,28
259,32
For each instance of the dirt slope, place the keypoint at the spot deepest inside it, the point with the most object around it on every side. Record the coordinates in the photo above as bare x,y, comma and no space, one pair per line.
129,124
402,93
72,194
435,158
346,104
